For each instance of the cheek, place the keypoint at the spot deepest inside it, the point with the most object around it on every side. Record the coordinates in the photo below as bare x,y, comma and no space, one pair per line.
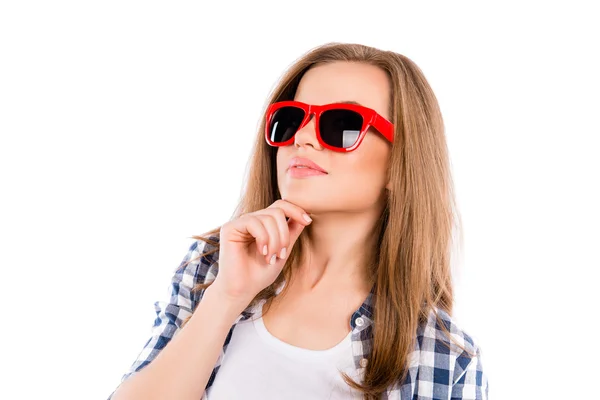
369,164
281,165
371,172
362,177
281,160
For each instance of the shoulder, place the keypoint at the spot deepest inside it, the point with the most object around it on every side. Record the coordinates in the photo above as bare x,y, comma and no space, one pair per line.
438,322
200,257
445,348
199,265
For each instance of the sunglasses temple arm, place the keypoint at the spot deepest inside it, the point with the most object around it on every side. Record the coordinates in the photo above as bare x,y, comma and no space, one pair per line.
387,128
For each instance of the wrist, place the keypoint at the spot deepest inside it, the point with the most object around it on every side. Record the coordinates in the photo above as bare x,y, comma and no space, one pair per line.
231,305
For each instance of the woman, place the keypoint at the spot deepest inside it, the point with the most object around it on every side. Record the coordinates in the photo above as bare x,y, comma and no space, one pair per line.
333,278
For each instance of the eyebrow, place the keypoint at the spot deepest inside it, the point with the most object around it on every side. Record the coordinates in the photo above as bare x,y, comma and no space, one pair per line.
349,102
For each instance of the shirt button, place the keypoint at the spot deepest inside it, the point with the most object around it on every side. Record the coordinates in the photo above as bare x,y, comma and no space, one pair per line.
359,321
363,362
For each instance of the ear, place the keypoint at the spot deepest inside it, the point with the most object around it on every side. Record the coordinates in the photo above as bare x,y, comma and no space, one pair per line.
389,186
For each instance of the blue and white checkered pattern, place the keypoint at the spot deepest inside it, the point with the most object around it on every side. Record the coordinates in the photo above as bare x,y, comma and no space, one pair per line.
435,370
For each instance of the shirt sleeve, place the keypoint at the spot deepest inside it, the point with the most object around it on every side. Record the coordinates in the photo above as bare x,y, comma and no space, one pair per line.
170,315
473,383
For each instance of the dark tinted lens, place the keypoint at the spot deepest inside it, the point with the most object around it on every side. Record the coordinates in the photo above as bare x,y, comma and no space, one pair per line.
285,123
340,128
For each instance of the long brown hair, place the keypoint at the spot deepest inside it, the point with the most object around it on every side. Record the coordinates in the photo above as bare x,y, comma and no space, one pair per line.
411,268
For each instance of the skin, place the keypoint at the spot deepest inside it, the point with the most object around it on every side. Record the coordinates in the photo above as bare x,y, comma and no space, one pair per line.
344,205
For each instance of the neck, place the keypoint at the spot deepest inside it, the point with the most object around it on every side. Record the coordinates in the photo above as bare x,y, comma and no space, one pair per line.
340,245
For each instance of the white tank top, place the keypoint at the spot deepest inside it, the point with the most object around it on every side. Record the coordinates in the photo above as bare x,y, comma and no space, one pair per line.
257,365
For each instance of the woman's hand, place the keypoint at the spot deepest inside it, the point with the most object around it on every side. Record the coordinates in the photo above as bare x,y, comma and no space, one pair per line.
253,249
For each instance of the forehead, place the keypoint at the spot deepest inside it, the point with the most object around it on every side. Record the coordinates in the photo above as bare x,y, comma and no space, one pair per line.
346,81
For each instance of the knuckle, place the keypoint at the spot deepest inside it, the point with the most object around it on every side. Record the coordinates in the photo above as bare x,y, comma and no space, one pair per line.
267,218
243,217
261,218
275,221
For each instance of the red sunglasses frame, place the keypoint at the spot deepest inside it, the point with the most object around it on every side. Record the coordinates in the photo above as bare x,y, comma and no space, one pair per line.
370,119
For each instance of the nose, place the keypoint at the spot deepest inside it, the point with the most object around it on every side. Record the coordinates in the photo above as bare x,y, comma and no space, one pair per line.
307,135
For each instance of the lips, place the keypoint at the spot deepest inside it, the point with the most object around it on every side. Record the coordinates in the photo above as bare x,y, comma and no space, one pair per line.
305,163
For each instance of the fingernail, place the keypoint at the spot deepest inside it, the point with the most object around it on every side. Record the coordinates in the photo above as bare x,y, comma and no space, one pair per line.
307,218
282,254
265,250
273,258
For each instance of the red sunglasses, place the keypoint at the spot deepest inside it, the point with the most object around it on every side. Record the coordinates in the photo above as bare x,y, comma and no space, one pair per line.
339,126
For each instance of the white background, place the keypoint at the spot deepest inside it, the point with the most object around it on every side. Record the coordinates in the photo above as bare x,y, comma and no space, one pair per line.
126,129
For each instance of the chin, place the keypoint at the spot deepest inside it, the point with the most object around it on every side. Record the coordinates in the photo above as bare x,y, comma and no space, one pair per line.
304,200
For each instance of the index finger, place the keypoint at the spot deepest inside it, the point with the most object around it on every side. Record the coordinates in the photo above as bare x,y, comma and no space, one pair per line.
292,211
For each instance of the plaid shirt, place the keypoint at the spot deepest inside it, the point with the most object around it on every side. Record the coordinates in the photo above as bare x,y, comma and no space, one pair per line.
435,372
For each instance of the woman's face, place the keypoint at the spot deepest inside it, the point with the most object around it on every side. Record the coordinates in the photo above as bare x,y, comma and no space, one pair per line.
355,181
